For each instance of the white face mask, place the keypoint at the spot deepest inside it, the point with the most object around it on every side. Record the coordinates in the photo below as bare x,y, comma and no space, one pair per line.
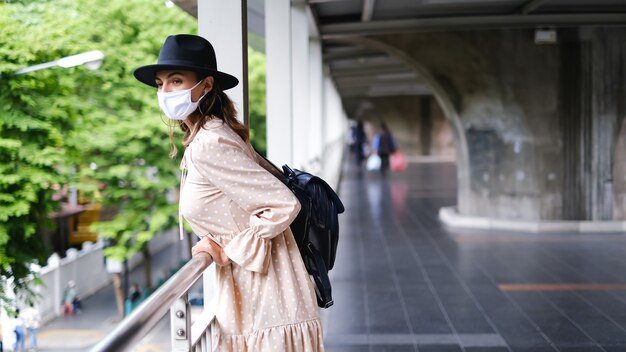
177,105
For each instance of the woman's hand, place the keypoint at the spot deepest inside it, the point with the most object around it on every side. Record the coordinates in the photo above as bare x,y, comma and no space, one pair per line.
209,246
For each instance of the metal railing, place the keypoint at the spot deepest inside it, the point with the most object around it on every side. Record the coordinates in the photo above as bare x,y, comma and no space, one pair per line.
172,295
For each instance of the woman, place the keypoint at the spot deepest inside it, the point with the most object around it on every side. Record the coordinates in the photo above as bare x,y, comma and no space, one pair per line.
265,299
384,145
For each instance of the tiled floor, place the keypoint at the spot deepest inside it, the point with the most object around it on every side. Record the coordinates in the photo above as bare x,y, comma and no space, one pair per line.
402,282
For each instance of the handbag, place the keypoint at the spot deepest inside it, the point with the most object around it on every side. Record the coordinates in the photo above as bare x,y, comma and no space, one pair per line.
398,162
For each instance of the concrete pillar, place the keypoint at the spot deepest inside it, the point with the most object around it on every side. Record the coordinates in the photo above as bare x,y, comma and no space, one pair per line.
592,110
315,105
300,84
279,81
576,129
608,79
223,24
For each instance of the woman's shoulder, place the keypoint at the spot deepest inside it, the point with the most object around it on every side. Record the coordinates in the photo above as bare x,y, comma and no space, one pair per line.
216,133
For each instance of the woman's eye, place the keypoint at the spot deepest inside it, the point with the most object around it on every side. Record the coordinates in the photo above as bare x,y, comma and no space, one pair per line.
177,81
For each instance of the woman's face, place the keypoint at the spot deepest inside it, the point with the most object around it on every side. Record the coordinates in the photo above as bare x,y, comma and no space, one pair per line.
173,80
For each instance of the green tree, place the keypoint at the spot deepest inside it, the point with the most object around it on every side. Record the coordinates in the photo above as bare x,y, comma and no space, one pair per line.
103,123
256,97
102,120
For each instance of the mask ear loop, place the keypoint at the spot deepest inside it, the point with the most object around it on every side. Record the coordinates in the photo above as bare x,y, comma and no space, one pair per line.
200,109
167,121
201,100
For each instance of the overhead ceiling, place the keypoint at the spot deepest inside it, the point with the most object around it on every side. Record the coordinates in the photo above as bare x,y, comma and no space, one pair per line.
361,72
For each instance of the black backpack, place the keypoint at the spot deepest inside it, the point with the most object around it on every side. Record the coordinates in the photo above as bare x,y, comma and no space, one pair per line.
316,228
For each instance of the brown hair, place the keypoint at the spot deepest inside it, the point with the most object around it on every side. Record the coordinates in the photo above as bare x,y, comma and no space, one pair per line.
216,104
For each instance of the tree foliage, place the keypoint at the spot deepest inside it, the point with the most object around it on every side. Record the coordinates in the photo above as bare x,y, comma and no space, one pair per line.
103,124
256,77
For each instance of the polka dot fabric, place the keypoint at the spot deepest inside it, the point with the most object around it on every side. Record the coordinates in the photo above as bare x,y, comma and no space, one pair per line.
265,300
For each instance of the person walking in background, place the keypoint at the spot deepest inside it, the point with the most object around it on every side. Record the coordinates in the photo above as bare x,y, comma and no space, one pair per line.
18,330
359,141
384,146
134,294
265,300
69,298
31,319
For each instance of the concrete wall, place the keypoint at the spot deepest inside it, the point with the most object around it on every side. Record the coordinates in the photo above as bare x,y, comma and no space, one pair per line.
86,267
535,126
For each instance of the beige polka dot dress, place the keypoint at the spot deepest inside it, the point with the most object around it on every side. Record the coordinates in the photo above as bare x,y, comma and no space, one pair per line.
264,298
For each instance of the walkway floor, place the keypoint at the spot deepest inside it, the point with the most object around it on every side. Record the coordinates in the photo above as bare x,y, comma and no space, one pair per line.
402,282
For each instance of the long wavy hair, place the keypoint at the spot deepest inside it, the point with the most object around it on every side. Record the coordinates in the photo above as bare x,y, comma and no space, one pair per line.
216,104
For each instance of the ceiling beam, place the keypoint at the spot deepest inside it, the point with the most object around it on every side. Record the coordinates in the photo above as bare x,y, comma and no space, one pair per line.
368,10
382,91
351,54
530,6
374,82
369,70
320,1
352,29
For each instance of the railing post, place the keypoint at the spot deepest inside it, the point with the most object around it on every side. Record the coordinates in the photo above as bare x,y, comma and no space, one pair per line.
180,318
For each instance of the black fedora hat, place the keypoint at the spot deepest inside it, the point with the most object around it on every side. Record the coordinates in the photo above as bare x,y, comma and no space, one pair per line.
186,52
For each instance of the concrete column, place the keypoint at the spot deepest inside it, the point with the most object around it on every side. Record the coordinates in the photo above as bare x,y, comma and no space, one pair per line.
608,109
315,104
335,120
576,130
592,88
224,24
300,84
279,81
334,125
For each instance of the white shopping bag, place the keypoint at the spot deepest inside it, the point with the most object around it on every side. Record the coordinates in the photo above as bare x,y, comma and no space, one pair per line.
373,162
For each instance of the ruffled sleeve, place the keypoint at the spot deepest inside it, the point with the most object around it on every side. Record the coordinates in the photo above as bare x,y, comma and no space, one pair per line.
271,205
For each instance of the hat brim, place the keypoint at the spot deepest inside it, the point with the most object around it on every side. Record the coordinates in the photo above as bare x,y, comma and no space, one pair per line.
147,74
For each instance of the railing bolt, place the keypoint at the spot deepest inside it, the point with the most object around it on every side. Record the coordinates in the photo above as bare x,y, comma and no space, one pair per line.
180,332
180,314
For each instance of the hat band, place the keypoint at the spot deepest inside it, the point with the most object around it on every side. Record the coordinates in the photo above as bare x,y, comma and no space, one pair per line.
179,62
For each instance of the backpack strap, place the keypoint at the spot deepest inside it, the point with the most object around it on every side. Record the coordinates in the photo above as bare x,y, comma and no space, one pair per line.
320,276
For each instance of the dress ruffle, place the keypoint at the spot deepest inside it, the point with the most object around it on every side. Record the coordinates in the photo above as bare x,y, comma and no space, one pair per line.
250,251
300,337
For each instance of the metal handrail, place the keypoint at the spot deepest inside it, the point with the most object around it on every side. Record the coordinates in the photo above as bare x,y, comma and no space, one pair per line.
134,327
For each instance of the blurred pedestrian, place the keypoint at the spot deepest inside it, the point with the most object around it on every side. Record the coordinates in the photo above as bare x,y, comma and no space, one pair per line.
31,319
18,330
69,298
359,142
384,145
135,294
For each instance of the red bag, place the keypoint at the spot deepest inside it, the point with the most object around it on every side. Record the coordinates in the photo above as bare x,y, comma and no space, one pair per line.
398,162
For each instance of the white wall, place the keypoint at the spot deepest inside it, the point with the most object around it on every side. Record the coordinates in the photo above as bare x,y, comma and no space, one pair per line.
56,274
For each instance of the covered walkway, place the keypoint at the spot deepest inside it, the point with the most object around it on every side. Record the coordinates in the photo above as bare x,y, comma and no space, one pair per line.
402,282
